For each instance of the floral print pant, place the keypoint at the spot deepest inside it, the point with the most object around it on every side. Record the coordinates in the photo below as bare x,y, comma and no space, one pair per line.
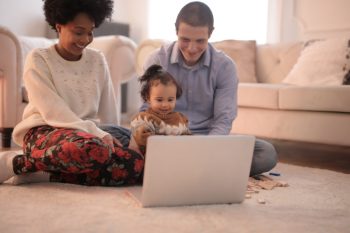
74,156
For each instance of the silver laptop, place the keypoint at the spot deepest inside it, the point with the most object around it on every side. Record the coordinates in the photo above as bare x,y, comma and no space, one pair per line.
191,170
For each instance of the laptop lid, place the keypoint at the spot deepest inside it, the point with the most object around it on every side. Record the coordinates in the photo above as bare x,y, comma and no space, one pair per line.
190,170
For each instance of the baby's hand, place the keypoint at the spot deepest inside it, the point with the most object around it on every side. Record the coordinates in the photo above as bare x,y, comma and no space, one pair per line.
141,134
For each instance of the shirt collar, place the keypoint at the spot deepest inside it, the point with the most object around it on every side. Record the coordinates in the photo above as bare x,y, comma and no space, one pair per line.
177,58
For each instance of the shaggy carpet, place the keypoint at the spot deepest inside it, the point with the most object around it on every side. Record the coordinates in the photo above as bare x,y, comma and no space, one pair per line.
315,201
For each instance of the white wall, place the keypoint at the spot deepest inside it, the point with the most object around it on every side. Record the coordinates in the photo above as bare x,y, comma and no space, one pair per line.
289,19
134,12
23,17
26,17
312,19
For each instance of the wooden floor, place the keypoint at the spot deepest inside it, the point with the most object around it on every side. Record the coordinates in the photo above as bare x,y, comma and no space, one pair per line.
336,158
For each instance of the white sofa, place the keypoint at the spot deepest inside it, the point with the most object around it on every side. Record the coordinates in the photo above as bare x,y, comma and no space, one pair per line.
269,108
118,50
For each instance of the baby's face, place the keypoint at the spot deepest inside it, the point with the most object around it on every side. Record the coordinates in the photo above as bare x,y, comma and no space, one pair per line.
162,98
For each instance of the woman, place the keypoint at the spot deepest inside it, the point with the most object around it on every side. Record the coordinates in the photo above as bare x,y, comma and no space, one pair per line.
70,95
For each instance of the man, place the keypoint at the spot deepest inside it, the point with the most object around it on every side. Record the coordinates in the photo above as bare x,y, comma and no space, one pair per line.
208,79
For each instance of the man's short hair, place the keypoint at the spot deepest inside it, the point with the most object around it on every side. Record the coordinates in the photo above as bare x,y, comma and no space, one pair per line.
196,14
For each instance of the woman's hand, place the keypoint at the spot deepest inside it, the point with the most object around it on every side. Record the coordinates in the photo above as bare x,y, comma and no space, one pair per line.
110,141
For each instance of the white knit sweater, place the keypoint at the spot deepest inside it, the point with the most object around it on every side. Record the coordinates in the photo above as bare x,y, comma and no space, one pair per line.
69,94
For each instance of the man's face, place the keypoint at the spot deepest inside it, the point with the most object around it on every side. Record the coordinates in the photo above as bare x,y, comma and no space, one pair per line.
193,41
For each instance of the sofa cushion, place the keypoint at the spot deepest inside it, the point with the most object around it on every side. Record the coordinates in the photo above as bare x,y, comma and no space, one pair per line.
317,98
274,61
262,95
322,62
244,55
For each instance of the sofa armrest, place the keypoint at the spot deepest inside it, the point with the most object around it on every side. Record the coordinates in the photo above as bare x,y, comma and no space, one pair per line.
144,50
11,68
120,55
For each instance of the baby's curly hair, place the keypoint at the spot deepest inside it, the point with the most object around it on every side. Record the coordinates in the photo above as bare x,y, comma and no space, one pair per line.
154,75
64,11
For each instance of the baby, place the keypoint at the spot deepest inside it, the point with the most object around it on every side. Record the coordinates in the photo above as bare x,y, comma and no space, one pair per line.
160,90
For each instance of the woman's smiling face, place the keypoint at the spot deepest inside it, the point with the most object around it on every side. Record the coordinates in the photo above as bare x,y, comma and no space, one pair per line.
75,36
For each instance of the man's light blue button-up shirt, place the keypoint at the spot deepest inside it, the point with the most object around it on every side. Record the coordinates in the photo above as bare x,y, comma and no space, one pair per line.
209,97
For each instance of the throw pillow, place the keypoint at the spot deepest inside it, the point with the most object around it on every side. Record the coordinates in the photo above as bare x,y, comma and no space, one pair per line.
243,53
322,62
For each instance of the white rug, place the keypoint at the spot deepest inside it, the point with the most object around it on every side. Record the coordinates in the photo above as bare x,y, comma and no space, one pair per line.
316,201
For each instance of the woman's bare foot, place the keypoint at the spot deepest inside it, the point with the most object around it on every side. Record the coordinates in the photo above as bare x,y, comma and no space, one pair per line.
35,177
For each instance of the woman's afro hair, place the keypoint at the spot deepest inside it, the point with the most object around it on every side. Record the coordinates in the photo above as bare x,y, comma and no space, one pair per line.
64,11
